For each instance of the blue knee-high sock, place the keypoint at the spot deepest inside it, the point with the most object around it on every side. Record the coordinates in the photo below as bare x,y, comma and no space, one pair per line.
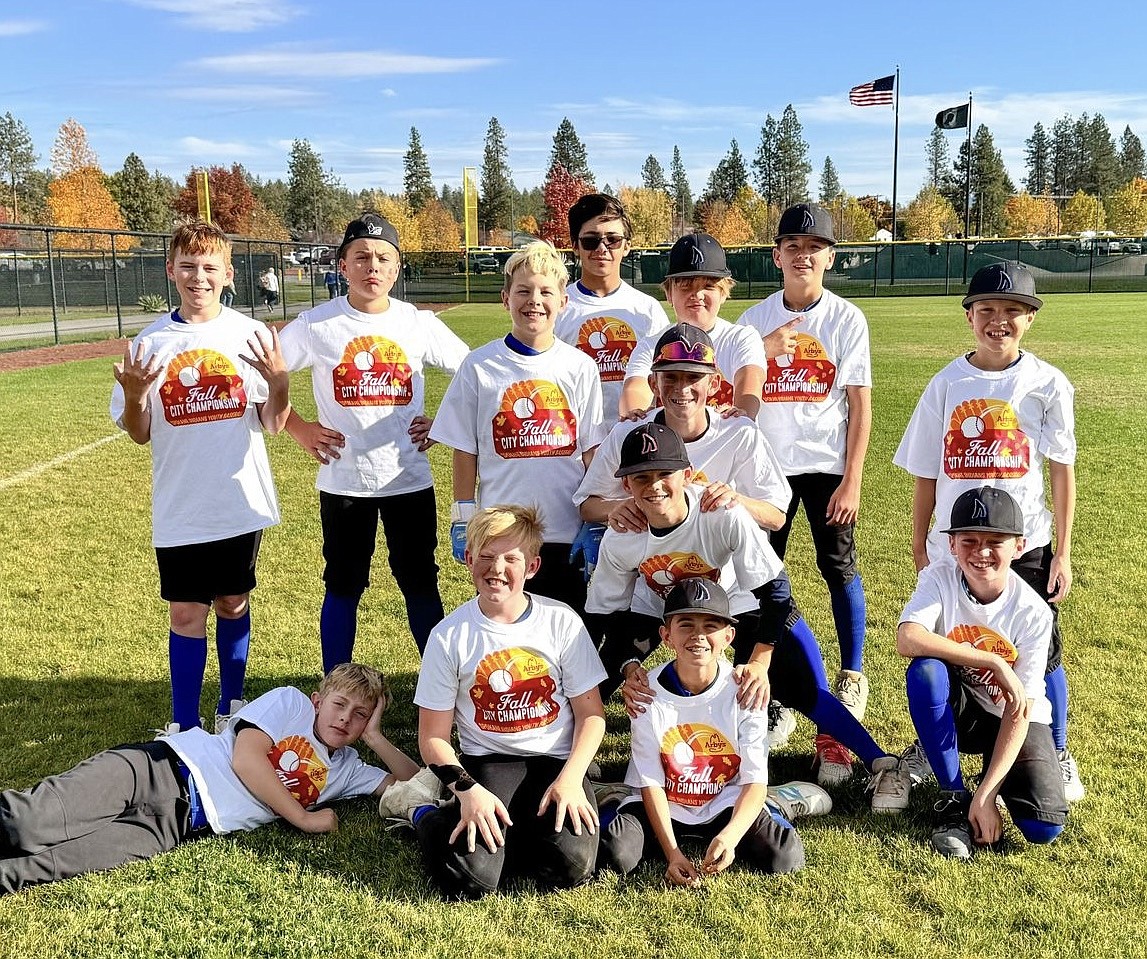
423,613
1038,832
337,624
848,613
1055,683
232,644
928,689
187,660
828,713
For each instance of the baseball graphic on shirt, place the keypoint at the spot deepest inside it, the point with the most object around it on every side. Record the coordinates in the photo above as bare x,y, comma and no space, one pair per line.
373,371
201,386
299,768
513,691
663,571
984,441
698,761
804,376
534,419
609,342
988,640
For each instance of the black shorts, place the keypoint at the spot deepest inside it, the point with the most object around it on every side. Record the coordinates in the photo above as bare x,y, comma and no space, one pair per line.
1033,787
198,572
835,545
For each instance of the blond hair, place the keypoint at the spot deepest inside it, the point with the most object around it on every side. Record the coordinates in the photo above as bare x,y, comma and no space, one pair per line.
521,522
199,239
539,257
724,283
356,680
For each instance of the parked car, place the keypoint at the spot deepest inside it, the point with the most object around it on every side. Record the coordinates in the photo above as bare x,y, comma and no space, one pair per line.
313,254
1133,246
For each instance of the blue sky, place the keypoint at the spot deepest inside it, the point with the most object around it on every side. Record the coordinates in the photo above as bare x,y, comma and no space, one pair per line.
196,82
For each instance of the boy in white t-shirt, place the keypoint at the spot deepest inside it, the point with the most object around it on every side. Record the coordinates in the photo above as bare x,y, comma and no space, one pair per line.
523,415
699,758
978,637
282,756
367,352
996,416
605,317
516,673
187,386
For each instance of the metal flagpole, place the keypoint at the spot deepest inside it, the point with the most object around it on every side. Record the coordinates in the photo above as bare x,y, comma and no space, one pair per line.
895,164
968,174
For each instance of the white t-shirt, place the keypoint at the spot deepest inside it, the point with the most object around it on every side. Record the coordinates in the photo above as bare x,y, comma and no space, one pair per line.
637,570
606,329
976,428
735,348
509,685
804,406
730,451
700,749
529,420
1017,627
368,381
211,478
304,765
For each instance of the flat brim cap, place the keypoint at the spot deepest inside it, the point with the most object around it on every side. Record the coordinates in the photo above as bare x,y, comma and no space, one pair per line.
684,347
370,226
697,595
1003,281
652,446
806,219
987,509
697,254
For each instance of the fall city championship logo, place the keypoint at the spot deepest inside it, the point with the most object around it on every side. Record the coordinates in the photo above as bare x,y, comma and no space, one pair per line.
980,637
513,691
984,441
373,372
804,376
666,570
534,419
608,342
202,386
299,769
698,762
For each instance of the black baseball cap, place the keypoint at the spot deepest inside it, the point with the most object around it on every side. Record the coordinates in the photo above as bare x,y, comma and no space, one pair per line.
697,254
806,219
1003,281
652,446
370,226
697,595
987,510
684,347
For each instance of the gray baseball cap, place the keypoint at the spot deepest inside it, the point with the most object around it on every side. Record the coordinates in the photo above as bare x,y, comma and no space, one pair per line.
987,510
1003,281
697,595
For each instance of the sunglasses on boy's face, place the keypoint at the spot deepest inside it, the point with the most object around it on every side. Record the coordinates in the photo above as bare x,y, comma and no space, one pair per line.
591,241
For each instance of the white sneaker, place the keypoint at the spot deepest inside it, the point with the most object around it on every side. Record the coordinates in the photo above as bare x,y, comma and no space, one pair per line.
1073,790
914,761
796,799
401,798
851,688
222,719
890,785
833,761
782,724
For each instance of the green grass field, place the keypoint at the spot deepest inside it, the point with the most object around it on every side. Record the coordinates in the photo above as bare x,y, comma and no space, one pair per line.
83,635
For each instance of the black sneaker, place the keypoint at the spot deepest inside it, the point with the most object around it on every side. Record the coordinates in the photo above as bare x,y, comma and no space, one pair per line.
953,833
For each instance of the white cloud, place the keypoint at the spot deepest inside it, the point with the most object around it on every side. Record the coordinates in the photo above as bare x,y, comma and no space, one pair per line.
21,28
297,60
214,149
234,16
388,92
245,94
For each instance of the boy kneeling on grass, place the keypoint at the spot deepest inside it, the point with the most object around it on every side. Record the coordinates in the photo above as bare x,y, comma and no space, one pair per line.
978,636
700,758
277,758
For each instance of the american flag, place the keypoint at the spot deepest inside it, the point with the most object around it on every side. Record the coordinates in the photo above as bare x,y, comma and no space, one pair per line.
873,93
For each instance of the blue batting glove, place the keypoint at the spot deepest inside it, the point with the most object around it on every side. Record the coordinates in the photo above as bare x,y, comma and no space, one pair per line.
460,513
587,544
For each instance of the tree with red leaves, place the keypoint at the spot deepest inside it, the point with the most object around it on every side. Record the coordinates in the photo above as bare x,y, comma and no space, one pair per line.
232,201
561,191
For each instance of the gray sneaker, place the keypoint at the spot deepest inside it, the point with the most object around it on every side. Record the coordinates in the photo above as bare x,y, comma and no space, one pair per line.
890,785
796,799
782,724
222,719
915,763
953,833
399,800
851,688
1073,790
606,793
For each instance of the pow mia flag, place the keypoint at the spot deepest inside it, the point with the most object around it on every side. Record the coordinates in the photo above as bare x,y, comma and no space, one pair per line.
954,118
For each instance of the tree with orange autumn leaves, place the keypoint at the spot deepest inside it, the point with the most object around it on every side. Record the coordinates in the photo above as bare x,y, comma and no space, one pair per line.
79,195
561,191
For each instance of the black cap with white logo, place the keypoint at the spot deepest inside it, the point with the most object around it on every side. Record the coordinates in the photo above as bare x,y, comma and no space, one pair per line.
697,254
1003,281
652,446
987,510
806,219
697,595
370,226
